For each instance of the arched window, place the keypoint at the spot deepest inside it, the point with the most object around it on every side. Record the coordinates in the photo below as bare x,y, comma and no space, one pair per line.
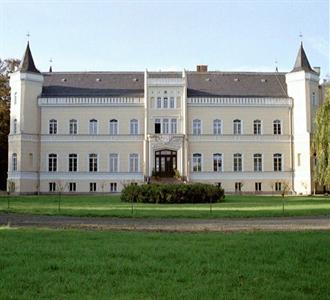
217,130
73,127
256,127
92,162
14,162
52,126
93,126
134,162
277,160
237,126
113,162
52,162
277,127
238,162
257,162
197,127
217,162
15,126
73,162
15,97
134,126
197,162
113,127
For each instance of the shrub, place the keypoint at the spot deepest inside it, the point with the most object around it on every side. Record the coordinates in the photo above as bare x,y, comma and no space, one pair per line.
172,193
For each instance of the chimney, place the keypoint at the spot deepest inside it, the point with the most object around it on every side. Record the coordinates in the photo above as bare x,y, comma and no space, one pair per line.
201,68
317,70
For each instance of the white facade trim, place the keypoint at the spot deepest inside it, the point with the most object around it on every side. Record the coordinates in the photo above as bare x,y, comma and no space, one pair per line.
90,101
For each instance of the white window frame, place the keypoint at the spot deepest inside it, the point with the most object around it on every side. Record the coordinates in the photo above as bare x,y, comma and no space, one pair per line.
113,168
197,127
15,126
72,187
195,162
97,163
217,127
281,165
261,164
260,124
75,121
92,187
48,164
135,167
159,102
14,162
281,127
52,126
134,126
113,187
174,125
221,159
237,124
165,126
172,102
241,169
113,127
52,186
69,162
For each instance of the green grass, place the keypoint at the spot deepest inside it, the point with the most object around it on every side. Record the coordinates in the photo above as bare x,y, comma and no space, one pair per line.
57,264
233,206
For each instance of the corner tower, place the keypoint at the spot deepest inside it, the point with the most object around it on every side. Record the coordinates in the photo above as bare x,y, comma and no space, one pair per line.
302,84
24,138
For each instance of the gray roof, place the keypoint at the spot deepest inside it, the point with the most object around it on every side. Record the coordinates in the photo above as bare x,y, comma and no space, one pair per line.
236,84
302,63
27,63
131,84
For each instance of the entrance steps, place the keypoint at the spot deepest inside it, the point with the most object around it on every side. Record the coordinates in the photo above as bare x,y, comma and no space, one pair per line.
165,180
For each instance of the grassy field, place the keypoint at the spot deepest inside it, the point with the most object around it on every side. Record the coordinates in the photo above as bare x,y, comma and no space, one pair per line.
233,206
57,264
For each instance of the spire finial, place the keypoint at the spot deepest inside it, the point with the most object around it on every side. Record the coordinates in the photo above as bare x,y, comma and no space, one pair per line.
50,65
28,36
276,66
301,37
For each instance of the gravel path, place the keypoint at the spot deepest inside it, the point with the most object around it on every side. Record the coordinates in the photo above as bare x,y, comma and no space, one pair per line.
169,225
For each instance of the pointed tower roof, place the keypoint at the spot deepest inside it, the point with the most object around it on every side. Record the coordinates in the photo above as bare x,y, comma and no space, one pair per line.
27,63
302,63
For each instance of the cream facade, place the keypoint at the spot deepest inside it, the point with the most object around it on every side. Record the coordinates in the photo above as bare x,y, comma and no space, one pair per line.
97,131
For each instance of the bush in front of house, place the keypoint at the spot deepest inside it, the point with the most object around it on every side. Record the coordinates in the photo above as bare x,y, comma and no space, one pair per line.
172,193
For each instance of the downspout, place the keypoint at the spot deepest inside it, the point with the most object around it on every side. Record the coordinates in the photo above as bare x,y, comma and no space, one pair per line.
291,144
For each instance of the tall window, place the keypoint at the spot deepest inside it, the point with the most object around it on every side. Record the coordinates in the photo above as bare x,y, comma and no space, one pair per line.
14,162
92,186
197,127
277,158
257,162
237,126
52,162
165,103
133,162
134,126
314,100
113,127
165,126
52,126
217,162
73,127
113,163
237,162
159,102
72,186
157,126
113,187
277,127
172,102
52,186
93,162
15,126
197,162
93,126
217,127
15,97
73,162
173,126
256,127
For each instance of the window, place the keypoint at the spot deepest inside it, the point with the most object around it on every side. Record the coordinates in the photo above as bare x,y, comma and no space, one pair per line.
172,102
277,127
197,162
314,99
14,162
278,186
73,127
173,126
93,126
165,126
165,102
257,162
52,126
237,162
73,162
93,162
133,162
15,97
72,187
217,162
134,126
113,187
277,162
157,126
197,127
257,186
113,127
217,127
237,126
238,187
256,127
52,186
159,102
299,159
52,162
113,163
15,126
92,186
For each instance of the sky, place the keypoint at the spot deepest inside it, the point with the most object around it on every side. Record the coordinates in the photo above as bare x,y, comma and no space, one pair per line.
166,35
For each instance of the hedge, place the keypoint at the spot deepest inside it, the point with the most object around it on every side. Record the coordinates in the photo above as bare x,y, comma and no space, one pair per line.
172,193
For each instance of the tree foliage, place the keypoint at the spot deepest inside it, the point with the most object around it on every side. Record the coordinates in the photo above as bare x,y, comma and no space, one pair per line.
321,142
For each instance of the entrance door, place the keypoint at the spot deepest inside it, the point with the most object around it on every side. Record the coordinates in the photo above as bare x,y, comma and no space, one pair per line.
165,163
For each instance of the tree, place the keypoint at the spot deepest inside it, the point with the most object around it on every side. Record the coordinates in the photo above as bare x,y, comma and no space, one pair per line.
321,141
7,66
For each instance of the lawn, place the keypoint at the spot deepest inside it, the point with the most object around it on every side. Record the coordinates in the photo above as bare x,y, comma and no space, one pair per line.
105,205
59,264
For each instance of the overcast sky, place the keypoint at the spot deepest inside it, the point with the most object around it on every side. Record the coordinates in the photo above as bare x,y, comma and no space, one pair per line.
165,35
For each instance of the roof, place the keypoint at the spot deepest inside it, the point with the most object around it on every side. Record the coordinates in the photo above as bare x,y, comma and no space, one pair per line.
27,63
302,63
131,84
